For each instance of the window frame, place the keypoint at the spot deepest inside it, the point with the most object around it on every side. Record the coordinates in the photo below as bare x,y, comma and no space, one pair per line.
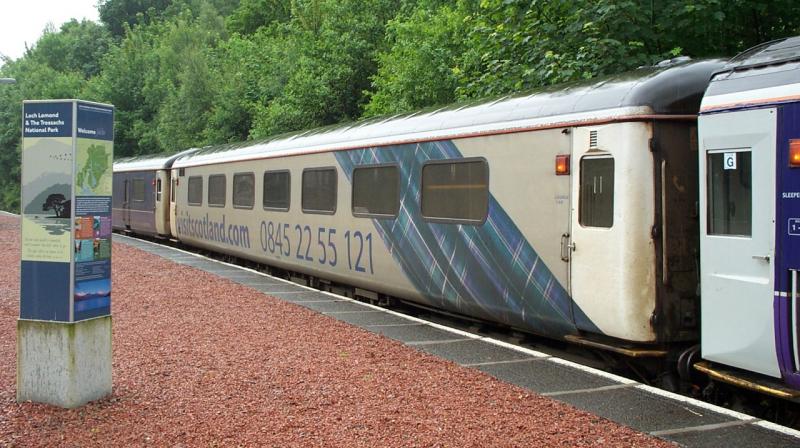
710,192
473,222
598,156
225,194
288,191
335,191
233,190
133,189
397,198
188,190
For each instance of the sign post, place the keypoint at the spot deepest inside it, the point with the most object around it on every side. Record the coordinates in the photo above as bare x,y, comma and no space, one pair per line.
64,327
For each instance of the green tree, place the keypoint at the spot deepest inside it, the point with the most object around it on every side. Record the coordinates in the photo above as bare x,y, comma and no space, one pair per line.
337,45
253,71
119,15
161,82
421,67
516,44
129,71
76,47
251,15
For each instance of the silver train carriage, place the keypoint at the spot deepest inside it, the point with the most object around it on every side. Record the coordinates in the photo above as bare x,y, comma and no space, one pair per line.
749,130
569,212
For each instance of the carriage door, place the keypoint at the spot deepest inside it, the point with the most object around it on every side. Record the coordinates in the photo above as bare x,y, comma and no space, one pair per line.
173,208
737,226
612,259
161,205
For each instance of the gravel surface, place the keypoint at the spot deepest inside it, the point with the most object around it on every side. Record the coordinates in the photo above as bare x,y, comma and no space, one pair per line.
202,361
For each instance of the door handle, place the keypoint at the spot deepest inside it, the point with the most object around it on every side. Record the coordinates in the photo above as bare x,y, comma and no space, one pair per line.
765,258
566,247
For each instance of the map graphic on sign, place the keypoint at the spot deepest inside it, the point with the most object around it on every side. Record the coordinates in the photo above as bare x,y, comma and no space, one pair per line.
94,168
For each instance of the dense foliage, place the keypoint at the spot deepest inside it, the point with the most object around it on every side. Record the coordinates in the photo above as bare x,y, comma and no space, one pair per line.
185,73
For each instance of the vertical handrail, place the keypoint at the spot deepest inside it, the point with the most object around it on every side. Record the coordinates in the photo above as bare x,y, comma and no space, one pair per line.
664,253
793,306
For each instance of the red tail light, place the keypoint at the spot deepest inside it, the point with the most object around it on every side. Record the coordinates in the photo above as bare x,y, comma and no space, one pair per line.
794,153
562,165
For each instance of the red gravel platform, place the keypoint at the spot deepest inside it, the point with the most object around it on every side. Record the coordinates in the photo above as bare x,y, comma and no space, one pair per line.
203,361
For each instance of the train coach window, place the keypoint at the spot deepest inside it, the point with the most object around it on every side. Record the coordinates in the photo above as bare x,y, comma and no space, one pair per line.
376,191
455,191
730,207
319,190
276,190
138,190
195,189
158,190
216,190
243,190
597,192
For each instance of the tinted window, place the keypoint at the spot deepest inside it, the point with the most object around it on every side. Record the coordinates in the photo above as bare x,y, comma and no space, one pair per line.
597,192
456,190
730,194
195,190
138,190
376,191
243,190
216,190
276,190
319,190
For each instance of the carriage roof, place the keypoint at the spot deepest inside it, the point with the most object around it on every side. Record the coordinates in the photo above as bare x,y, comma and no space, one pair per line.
149,162
760,75
671,88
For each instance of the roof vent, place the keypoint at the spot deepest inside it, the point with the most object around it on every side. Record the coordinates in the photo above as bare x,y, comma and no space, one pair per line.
673,61
592,139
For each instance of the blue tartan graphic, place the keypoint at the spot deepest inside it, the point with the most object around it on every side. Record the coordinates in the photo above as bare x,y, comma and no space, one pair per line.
486,270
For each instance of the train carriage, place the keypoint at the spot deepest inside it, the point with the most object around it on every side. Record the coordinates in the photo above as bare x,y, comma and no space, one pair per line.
565,212
750,218
141,196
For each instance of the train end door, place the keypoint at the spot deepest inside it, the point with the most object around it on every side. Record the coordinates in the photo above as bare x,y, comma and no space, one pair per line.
173,206
737,239
162,204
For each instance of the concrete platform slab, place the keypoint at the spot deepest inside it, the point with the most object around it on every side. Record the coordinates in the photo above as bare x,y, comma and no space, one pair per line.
642,410
472,351
274,288
303,295
365,319
733,436
411,332
334,306
543,376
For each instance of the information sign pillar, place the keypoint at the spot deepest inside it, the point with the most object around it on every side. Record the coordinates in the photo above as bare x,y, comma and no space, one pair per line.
64,327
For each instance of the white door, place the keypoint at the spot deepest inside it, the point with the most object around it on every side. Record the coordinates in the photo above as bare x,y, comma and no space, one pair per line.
737,226
612,261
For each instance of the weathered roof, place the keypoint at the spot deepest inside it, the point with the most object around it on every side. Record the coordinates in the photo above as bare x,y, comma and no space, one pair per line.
769,53
671,88
766,73
146,162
